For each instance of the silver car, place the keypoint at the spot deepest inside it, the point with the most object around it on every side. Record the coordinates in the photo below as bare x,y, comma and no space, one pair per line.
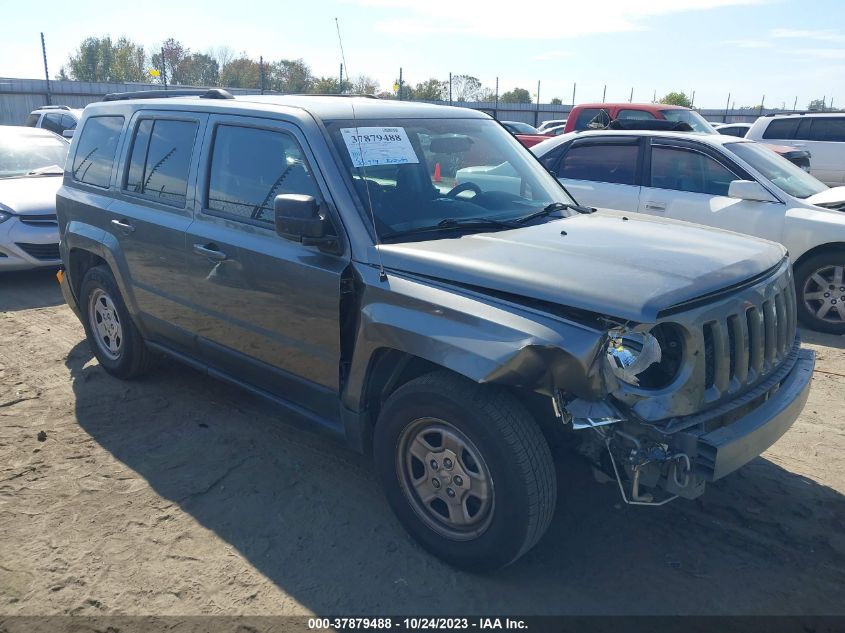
31,166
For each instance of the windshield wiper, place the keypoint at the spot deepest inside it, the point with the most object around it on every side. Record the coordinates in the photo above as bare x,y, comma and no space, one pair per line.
49,170
451,224
551,208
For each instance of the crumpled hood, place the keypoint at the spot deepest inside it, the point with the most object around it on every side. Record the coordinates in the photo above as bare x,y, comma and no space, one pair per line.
833,198
630,268
34,195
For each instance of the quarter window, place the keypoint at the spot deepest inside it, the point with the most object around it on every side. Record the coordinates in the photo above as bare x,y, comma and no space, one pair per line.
250,167
781,128
161,159
94,158
601,163
586,116
828,129
639,115
687,170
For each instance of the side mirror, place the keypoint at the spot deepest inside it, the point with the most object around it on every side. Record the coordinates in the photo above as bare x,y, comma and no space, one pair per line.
297,218
749,190
68,133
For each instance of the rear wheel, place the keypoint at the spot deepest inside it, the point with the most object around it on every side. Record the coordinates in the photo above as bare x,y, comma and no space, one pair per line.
113,337
820,286
466,469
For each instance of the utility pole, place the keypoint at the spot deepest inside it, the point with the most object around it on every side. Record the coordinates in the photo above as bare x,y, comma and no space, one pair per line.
692,100
795,104
496,105
762,104
631,98
450,88
604,94
537,109
46,74
654,98
727,107
573,93
340,83
163,69
400,84
261,72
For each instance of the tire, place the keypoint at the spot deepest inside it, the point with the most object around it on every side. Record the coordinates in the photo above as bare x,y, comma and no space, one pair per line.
111,333
828,298
502,472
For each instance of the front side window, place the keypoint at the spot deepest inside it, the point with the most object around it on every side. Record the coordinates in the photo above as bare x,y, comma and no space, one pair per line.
250,167
418,174
601,162
95,151
781,129
688,170
782,173
161,159
828,129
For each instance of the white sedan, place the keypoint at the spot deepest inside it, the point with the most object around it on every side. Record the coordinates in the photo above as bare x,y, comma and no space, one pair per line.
719,181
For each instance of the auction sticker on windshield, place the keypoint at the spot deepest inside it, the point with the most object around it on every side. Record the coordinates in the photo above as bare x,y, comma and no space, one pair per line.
378,146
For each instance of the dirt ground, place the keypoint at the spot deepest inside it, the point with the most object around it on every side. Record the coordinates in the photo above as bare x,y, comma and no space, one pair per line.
177,494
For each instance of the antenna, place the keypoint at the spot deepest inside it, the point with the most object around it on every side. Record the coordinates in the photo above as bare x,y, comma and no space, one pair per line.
382,274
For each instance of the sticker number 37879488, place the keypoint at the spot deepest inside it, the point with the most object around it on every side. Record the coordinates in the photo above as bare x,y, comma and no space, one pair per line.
368,146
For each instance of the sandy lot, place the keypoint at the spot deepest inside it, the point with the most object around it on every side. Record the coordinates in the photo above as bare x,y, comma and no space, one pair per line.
177,494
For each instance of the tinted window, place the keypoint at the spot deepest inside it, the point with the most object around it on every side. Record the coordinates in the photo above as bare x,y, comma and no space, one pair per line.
635,114
161,158
32,120
250,167
585,116
828,129
68,122
734,131
687,170
601,163
781,128
52,122
94,157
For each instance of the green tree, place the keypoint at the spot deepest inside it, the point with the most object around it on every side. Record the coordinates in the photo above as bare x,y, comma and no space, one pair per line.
101,59
242,72
465,88
517,95
817,105
678,99
174,63
363,85
198,69
330,86
556,101
290,76
431,90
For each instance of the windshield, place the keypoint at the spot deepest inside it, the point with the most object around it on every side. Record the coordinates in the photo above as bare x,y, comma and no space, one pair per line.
783,174
690,117
23,153
419,173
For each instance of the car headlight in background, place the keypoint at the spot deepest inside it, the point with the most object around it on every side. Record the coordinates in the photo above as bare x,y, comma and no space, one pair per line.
629,354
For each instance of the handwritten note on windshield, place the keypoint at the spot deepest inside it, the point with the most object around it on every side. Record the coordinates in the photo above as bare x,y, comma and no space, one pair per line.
370,146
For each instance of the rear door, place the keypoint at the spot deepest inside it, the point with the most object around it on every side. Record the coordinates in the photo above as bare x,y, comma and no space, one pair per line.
603,172
826,144
266,309
688,181
149,217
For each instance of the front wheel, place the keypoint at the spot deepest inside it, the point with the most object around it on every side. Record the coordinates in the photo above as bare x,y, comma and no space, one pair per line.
820,286
466,469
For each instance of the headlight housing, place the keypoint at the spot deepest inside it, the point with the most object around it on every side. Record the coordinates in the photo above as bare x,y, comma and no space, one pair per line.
5,213
629,354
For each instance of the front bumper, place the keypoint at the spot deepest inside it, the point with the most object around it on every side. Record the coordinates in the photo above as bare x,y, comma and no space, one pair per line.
25,246
715,443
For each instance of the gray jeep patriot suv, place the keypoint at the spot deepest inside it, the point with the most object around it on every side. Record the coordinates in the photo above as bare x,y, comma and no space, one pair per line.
341,257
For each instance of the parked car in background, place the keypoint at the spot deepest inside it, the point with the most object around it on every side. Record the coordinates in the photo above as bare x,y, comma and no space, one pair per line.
733,129
308,249
720,181
545,125
584,115
59,119
820,133
556,130
525,133
31,166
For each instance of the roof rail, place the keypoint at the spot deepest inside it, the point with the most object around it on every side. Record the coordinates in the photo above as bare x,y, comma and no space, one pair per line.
329,94
54,107
805,112
212,93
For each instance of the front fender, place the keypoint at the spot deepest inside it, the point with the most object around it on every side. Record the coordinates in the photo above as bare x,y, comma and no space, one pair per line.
805,229
481,338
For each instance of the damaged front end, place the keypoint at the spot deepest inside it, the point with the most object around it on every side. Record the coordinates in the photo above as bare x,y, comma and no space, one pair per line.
694,397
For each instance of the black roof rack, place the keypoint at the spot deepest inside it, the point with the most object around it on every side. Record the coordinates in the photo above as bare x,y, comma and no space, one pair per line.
213,93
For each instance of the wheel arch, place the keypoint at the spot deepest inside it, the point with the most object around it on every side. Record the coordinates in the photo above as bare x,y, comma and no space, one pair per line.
817,250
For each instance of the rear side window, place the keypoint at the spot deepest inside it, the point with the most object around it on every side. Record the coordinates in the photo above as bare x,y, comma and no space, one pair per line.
53,122
687,170
161,159
94,158
585,116
639,115
32,120
601,163
250,167
68,122
781,128
828,129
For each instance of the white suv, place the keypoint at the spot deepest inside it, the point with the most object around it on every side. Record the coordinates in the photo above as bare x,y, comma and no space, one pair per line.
60,119
820,133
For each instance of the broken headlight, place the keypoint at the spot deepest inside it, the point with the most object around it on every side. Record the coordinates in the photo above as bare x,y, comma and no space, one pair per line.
629,354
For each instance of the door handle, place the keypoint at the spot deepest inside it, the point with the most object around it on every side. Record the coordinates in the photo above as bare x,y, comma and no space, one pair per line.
655,206
210,251
124,226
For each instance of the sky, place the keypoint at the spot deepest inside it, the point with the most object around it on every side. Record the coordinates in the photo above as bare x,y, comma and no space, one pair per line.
782,49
